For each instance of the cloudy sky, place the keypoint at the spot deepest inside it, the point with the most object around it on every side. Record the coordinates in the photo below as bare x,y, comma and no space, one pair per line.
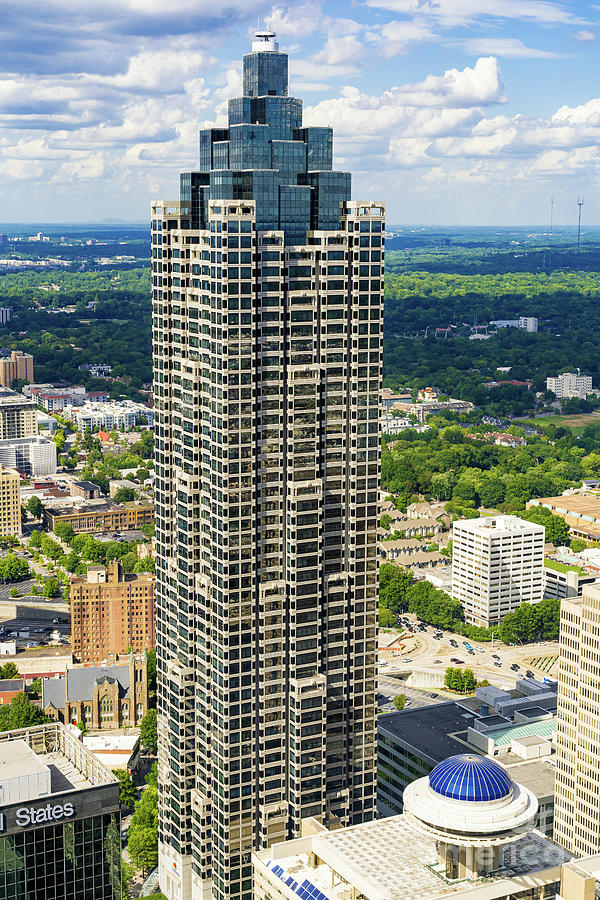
453,111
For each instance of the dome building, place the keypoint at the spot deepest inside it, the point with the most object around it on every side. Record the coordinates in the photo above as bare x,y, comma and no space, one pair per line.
473,809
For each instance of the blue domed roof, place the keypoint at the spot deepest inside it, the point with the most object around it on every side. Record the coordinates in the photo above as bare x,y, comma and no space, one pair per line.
469,777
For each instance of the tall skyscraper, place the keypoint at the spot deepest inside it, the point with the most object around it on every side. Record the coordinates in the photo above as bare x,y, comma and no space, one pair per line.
268,303
577,795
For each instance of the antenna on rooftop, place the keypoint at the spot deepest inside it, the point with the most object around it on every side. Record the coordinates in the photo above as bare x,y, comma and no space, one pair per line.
551,231
580,206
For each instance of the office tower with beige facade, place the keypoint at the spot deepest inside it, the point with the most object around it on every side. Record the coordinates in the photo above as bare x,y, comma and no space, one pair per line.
497,563
577,791
267,304
10,502
16,367
111,613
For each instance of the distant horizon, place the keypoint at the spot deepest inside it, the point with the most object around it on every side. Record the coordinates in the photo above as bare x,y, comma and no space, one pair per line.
122,223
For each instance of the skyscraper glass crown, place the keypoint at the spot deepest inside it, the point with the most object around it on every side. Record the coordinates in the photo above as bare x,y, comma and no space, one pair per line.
266,155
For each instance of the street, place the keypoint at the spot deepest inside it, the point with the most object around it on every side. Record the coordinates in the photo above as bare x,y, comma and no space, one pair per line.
422,652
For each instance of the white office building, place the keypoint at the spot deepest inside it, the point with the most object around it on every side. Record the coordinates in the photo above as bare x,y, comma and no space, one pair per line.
31,456
569,385
528,323
497,564
106,416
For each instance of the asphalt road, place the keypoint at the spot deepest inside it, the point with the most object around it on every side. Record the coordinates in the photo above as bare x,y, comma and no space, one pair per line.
423,652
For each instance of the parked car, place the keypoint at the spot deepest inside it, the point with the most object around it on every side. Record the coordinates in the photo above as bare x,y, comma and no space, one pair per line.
529,674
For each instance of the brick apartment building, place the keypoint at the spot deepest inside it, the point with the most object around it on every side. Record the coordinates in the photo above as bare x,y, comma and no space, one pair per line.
17,366
91,516
111,613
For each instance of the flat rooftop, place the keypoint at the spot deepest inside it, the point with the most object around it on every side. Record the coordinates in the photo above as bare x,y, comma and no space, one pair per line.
52,746
391,859
17,758
580,504
430,728
536,774
498,525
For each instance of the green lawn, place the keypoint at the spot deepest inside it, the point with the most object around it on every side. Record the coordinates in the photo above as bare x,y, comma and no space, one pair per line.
561,567
575,421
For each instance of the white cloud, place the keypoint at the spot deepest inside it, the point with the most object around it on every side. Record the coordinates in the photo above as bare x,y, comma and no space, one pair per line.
397,37
584,36
509,47
461,12
295,21
339,51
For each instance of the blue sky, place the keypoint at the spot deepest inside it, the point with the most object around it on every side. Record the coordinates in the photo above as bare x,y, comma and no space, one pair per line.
452,111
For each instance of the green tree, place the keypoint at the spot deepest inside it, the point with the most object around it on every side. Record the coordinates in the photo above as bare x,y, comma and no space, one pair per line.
52,587
577,545
557,530
127,789
399,701
64,531
35,538
453,679
387,619
143,849
72,561
59,439
468,681
394,583
20,713
9,670
124,495
35,507
35,688
151,672
148,738
385,521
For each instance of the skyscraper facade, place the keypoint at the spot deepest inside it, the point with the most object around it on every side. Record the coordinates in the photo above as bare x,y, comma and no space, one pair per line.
268,303
577,800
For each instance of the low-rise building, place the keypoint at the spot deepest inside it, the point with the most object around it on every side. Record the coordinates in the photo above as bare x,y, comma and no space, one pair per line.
581,512
402,858
428,408
99,697
528,323
570,384
507,440
10,687
412,742
116,483
401,549
85,489
389,424
561,581
31,456
120,416
111,613
90,516
61,818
